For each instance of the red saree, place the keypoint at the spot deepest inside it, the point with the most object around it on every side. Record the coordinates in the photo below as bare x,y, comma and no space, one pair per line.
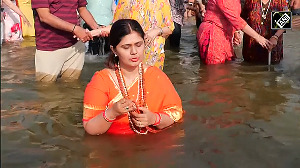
103,91
215,33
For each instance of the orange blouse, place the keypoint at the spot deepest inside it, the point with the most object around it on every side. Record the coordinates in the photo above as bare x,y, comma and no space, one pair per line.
103,91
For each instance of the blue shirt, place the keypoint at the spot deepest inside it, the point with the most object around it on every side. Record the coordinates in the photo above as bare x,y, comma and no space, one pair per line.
101,11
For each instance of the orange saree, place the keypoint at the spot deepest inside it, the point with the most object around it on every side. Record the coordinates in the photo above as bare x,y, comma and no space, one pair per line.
103,91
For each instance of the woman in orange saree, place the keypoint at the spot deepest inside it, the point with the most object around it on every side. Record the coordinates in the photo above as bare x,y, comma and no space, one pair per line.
129,97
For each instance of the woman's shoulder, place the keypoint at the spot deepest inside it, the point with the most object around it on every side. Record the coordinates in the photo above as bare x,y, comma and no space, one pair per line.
103,74
100,79
154,71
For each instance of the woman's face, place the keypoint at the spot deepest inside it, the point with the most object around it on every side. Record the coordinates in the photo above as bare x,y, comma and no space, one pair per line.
130,50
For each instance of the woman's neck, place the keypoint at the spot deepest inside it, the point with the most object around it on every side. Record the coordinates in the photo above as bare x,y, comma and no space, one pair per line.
265,1
129,72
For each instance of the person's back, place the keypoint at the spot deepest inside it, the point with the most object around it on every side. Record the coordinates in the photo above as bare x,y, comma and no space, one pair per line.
215,15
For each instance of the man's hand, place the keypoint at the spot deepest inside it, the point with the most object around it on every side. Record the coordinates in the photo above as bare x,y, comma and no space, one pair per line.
82,34
103,31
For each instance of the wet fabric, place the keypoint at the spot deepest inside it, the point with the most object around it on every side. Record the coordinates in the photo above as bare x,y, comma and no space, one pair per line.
252,51
103,91
215,34
174,38
10,24
65,62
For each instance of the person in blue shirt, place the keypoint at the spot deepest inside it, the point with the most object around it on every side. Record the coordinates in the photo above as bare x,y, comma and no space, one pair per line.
102,11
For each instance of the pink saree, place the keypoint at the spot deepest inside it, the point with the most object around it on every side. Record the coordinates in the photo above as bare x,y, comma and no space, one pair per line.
215,34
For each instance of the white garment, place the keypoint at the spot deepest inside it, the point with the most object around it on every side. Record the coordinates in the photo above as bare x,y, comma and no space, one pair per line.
11,27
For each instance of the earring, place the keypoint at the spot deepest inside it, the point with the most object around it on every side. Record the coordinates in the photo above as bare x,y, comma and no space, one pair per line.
116,55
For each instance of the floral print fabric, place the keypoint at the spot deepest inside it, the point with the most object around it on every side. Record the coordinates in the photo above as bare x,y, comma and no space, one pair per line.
150,14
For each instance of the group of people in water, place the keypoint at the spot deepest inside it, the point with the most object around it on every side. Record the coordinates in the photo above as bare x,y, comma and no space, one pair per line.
133,94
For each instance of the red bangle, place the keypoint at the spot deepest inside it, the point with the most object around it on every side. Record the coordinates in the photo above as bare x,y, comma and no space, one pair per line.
107,119
157,119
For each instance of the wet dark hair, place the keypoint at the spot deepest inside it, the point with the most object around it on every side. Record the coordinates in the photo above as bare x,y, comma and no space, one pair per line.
120,29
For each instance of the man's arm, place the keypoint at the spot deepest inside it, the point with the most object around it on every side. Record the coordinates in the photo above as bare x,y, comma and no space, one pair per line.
48,18
87,17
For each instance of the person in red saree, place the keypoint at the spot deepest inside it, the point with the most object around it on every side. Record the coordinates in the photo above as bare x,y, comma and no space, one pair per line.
221,20
129,97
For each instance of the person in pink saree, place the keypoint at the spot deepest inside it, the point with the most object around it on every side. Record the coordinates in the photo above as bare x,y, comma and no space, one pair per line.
222,19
